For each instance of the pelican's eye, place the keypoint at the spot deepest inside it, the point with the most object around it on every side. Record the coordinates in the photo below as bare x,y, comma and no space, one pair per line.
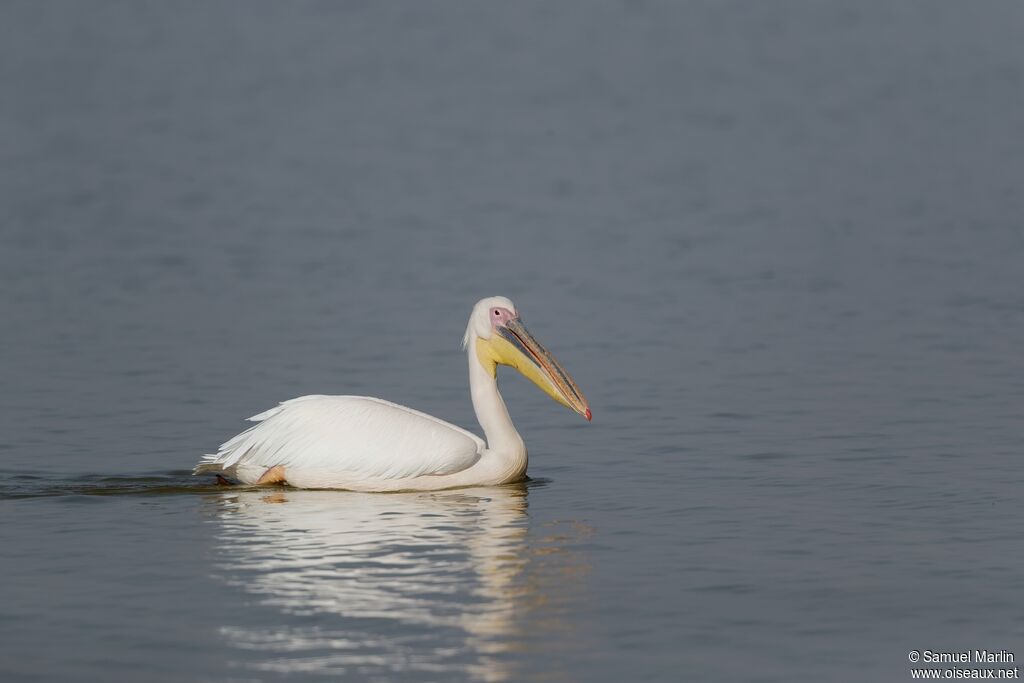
501,316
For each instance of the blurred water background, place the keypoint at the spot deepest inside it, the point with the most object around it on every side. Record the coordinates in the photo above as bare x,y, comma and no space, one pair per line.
779,246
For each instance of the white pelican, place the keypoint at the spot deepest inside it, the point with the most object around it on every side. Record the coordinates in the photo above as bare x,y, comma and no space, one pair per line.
360,443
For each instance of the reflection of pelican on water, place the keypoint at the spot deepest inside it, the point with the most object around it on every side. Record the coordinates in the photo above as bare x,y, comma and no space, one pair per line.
451,582
366,444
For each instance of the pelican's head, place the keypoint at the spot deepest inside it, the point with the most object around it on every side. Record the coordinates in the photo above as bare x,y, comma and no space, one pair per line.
497,336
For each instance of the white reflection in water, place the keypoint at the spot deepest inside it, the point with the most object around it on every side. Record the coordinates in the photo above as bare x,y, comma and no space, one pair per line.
449,582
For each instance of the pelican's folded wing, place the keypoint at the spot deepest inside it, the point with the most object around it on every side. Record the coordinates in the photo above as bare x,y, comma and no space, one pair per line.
360,435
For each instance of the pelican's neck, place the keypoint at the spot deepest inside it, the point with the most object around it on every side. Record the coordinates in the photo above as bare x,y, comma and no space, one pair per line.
502,438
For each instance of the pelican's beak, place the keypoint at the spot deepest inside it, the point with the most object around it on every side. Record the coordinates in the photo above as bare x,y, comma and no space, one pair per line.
513,345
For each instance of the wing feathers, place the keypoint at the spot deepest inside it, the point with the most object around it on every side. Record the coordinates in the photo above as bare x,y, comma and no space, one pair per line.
355,435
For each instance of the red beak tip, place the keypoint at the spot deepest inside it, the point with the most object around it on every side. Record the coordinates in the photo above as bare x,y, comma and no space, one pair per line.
588,415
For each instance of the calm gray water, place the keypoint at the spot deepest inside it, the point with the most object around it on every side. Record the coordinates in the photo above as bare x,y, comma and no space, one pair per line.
779,246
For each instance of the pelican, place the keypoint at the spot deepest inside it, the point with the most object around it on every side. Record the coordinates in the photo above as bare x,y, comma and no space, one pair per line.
359,443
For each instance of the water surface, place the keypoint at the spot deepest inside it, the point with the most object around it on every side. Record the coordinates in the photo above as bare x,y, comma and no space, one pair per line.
778,245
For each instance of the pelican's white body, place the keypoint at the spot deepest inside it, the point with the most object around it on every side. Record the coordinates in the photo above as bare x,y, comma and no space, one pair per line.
367,444
360,444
